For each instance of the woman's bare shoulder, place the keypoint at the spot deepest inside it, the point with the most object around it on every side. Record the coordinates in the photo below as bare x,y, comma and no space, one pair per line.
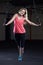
15,14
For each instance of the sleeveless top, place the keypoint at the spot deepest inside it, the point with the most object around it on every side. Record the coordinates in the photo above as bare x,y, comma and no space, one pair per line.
19,25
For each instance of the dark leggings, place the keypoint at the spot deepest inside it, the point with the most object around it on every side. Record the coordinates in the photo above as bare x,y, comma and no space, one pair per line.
20,39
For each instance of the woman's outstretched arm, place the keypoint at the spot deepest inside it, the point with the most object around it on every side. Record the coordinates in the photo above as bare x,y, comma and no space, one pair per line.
11,20
31,23
28,21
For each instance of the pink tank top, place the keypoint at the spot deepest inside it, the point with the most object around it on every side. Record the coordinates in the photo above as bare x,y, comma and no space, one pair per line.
19,25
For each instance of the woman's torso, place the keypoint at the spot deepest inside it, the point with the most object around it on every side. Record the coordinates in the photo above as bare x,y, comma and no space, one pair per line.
19,25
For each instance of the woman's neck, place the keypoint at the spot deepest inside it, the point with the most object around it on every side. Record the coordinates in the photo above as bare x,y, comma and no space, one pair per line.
19,15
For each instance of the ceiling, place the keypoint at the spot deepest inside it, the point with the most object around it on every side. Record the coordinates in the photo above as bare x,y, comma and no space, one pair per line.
23,2
26,2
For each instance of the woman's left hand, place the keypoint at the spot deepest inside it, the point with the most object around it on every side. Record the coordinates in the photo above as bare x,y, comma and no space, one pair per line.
39,24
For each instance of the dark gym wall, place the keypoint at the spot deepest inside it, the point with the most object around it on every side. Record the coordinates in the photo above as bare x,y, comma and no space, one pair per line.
2,28
37,32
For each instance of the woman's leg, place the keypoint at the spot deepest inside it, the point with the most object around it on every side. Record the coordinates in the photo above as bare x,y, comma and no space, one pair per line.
21,49
20,44
17,39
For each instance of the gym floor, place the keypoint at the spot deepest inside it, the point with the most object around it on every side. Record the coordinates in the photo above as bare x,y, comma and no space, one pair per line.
9,55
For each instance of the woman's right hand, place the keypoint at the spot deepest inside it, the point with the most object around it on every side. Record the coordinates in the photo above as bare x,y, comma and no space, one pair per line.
4,24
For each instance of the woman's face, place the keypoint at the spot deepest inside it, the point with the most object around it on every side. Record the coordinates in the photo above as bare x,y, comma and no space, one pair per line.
22,12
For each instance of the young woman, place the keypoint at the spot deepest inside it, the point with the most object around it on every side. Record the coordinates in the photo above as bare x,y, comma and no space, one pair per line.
19,31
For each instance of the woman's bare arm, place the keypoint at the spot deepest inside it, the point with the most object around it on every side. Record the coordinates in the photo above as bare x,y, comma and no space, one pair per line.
11,20
28,21
31,23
